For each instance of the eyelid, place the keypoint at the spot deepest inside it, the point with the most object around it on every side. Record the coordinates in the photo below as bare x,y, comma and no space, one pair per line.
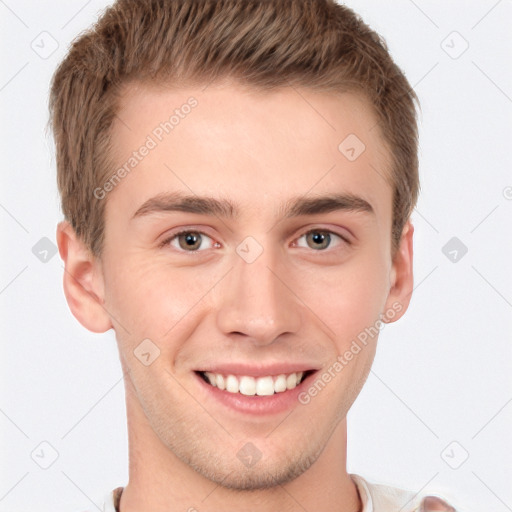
344,239
180,231
191,229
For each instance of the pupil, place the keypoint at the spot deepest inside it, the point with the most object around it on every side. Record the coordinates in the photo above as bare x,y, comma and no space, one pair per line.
190,241
321,239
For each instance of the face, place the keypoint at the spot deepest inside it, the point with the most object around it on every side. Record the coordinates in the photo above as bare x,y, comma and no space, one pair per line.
250,251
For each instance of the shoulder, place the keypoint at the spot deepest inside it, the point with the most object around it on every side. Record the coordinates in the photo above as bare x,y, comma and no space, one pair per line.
109,502
384,498
112,499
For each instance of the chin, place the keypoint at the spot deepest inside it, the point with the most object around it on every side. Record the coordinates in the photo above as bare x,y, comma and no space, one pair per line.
264,474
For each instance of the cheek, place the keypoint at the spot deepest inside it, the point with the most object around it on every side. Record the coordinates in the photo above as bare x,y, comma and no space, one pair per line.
153,298
348,298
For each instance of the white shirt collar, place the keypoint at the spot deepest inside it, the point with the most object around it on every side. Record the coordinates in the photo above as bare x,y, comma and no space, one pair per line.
374,497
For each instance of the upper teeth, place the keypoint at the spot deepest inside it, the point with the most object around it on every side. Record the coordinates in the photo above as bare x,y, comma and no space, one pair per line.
255,386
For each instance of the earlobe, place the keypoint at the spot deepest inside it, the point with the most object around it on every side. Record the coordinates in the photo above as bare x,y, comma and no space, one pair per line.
401,277
83,281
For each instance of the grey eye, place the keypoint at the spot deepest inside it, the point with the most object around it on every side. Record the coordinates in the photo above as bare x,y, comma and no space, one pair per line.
319,239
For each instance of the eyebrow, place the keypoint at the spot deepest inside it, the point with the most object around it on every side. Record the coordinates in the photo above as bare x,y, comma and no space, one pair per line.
294,207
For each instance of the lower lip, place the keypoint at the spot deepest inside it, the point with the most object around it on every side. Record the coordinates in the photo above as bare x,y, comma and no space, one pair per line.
257,405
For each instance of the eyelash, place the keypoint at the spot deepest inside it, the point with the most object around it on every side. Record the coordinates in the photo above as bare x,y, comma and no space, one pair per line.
170,238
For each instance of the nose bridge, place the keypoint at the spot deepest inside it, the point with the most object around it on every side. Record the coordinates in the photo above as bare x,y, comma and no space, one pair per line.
257,301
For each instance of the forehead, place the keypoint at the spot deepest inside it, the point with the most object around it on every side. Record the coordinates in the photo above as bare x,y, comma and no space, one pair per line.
257,148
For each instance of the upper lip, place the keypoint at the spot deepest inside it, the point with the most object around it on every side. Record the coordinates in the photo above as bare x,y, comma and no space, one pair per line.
252,370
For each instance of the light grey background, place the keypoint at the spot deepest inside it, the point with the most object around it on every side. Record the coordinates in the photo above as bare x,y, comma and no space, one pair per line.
441,385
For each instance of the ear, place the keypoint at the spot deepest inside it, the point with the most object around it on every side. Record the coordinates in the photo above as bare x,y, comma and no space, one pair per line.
83,281
401,277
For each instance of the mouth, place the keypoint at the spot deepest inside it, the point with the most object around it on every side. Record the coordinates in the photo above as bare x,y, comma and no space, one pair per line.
258,390
247,385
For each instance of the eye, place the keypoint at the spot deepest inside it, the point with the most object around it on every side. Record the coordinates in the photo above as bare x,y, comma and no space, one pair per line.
189,241
321,239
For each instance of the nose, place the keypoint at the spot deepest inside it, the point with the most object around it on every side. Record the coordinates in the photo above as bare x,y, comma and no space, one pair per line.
258,303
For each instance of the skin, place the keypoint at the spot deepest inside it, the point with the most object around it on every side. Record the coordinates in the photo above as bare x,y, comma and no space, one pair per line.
295,302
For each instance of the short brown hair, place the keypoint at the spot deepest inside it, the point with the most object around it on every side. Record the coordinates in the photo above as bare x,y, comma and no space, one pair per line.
316,44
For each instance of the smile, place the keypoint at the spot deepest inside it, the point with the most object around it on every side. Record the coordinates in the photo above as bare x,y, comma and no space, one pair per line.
250,386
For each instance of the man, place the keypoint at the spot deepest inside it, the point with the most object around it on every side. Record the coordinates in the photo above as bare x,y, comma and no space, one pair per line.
237,179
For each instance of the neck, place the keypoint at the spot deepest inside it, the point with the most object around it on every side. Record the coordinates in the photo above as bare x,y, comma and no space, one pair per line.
159,481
